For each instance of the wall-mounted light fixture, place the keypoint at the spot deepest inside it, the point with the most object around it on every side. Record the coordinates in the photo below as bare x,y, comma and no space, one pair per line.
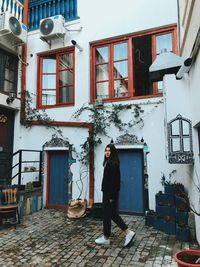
184,68
11,98
165,63
77,45
145,148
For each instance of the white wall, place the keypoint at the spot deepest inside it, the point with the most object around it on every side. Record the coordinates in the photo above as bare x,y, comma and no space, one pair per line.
182,98
102,19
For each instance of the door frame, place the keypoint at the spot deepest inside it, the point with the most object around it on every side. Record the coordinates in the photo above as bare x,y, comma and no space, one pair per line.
49,150
10,118
140,149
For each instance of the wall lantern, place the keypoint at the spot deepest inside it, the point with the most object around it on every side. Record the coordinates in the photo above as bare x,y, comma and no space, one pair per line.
168,63
180,140
11,98
145,148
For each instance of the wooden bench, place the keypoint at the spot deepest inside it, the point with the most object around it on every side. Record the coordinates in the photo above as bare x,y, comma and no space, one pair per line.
9,205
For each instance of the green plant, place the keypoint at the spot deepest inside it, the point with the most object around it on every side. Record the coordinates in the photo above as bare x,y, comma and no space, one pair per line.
102,118
32,114
180,193
164,181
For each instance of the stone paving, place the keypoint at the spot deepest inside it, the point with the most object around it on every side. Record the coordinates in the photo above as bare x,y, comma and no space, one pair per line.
49,239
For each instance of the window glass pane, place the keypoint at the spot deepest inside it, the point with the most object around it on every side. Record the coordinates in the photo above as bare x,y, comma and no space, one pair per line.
66,61
102,55
120,69
9,75
160,86
66,78
186,144
49,82
121,88
102,72
120,51
186,128
175,128
142,58
8,86
49,65
9,63
175,144
48,97
66,94
163,41
102,90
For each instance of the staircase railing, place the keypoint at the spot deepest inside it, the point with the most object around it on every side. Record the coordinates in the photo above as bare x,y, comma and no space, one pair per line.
19,162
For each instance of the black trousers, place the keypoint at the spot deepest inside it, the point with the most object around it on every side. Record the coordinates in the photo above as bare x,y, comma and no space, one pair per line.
110,212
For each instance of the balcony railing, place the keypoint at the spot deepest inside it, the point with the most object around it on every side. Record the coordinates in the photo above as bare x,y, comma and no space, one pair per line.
40,9
14,7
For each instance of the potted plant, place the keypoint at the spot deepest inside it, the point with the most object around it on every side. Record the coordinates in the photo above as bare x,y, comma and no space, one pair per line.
188,258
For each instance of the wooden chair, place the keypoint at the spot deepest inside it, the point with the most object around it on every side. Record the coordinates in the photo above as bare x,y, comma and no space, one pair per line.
9,206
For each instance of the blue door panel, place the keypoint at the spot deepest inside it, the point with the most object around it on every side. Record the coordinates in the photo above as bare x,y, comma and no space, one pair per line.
58,178
131,198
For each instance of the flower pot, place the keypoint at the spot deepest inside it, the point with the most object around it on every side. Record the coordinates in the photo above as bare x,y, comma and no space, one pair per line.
182,233
169,227
36,184
21,187
187,258
150,218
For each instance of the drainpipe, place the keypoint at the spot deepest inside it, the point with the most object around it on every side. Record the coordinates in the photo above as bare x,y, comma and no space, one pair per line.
24,59
184,68
91,169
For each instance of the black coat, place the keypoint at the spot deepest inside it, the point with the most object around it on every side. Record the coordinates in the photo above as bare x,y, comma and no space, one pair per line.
111,180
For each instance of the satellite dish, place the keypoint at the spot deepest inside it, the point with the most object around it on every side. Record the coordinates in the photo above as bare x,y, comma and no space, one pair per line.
15,26
46,27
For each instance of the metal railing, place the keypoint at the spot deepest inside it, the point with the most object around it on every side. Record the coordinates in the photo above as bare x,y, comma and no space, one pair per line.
19,164
14,7
48,8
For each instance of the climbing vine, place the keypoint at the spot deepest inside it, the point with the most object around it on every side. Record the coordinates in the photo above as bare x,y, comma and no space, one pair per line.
102,117
32,114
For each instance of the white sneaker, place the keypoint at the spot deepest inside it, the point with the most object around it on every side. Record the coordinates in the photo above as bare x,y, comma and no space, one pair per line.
129,237
102,241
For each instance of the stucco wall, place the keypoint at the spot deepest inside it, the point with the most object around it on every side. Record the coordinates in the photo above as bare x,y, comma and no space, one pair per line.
182,98
102,20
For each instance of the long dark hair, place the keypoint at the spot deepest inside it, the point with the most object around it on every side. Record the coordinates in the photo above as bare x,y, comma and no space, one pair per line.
113,159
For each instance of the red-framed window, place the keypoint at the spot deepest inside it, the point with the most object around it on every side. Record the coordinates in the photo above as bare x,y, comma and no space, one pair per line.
120,66
56,78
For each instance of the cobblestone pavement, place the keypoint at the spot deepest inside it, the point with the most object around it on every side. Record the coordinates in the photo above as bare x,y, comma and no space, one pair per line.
48,239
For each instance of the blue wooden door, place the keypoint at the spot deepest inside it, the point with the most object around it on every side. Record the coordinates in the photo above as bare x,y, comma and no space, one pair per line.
58,179
131,197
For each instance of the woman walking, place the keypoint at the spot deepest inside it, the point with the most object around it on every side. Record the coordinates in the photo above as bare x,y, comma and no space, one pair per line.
110,188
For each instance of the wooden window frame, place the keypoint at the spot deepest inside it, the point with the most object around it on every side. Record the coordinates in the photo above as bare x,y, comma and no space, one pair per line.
40,57
4,53
131,83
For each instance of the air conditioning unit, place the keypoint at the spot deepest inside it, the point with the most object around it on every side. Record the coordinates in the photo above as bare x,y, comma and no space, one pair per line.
12,30
52,28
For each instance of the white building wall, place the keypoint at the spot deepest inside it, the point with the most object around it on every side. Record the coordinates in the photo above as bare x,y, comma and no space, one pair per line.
188,24
195,172
182,99
101,20
189,27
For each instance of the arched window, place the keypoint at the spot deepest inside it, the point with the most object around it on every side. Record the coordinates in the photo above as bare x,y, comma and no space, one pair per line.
180,140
